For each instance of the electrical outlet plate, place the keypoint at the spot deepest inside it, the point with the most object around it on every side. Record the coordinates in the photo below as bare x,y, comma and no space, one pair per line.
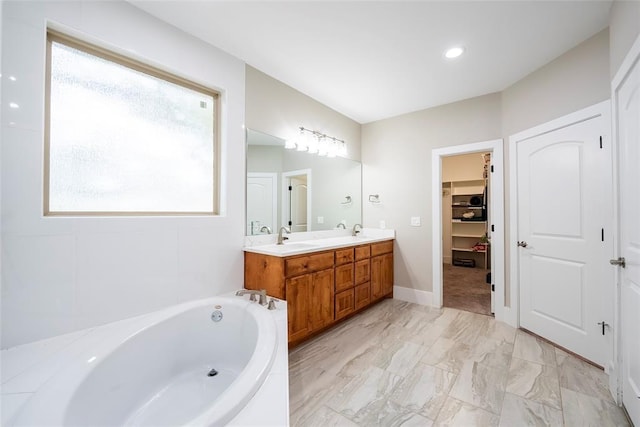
415,221
320,220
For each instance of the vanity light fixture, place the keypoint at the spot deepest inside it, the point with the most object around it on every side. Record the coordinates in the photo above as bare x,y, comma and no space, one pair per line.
316,142
454,52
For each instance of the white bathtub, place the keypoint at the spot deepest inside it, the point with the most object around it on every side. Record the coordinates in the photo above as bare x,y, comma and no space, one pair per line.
153,370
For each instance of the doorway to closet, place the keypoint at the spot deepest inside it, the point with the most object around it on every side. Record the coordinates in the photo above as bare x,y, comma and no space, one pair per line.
489,249
466,254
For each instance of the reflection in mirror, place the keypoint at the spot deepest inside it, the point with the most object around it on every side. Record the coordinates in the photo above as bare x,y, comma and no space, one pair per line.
297,189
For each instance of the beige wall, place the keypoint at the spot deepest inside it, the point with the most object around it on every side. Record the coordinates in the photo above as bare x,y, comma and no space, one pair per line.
577,79
277,109
624,25
465,167
396,157
396,152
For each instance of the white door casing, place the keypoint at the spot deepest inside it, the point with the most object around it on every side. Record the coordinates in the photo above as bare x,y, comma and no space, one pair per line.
626,105
496,207
561,216
262,201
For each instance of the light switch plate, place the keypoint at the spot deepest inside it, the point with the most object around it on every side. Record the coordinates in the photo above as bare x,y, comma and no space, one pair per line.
415,221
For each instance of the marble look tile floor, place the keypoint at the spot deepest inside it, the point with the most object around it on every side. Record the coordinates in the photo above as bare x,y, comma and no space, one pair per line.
402,364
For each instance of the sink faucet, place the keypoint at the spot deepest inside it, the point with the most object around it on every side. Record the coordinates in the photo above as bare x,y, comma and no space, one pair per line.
262,293
265,228
355,232
341,224
282,238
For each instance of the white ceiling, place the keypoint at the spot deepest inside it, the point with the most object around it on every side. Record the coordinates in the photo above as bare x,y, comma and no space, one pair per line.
373,60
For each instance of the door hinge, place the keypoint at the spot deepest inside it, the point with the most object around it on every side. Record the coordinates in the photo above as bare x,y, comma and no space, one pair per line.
491,168
602,234
604,325
493,228
600,141
493,288
290,188
290,223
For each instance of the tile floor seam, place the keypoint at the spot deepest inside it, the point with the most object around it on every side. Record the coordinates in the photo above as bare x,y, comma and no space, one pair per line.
387,409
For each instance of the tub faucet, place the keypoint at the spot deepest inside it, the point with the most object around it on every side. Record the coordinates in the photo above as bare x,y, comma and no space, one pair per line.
355,232
265,228
282,238
262,293
341,224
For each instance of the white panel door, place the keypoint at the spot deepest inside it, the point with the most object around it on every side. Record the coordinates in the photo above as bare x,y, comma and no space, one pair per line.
628,126
560,195
298,207
262,204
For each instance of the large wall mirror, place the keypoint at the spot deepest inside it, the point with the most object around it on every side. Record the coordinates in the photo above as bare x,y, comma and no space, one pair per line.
297,189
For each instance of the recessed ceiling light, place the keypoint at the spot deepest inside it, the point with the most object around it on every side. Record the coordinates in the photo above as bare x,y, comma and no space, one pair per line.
454,52
13,105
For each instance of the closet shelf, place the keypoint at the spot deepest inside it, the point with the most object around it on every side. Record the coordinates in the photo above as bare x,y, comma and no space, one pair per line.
467,250
475,236
468,220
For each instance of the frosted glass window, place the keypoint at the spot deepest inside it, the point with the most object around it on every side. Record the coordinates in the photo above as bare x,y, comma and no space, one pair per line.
121,140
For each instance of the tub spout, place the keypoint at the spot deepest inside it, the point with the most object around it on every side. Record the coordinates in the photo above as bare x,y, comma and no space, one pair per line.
262,293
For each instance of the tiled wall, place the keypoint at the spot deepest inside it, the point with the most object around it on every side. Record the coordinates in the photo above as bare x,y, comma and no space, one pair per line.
66,274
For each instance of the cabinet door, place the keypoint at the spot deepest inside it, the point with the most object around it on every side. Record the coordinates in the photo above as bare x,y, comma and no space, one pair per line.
387,274
344,303
363,271
362,295
376,277
321,301
344,277
344,256
298,297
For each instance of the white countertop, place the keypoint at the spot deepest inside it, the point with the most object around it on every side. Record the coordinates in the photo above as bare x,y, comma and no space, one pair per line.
303,243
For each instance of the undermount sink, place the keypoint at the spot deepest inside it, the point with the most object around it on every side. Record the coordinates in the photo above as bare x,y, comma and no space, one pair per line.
291,247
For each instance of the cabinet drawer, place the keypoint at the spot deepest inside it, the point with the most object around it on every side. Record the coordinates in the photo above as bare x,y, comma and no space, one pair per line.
344,277
344,303
344,256
363,252
381,248
363,270
362,295
308,264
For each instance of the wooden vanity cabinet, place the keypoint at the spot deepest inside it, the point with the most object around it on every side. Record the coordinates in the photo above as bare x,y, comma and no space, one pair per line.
362,291
344,299
381,270
322,288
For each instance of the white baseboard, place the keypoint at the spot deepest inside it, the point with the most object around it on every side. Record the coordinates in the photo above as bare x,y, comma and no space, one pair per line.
413,295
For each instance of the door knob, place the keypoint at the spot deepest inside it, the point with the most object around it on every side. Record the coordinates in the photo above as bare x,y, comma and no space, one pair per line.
620,261
522,244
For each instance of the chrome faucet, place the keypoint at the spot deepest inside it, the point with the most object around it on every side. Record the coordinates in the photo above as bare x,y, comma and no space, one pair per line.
341,224
262,293
355,232
265,228
282,238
